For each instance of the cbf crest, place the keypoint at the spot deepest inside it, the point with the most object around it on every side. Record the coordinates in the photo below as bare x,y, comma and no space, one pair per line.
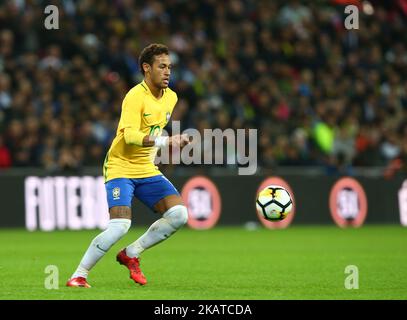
116,193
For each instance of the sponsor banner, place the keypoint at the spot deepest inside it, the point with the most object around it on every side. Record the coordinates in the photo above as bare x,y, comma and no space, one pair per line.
79,202
348,203
403,204
65,203
203,201
276,224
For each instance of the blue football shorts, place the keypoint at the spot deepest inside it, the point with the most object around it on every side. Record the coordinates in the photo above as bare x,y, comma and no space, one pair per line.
120,191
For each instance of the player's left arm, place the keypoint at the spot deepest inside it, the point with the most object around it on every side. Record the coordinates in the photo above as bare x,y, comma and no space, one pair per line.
133,136
178,140
132,109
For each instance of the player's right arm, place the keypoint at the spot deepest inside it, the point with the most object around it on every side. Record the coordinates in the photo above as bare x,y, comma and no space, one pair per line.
131,120
178,140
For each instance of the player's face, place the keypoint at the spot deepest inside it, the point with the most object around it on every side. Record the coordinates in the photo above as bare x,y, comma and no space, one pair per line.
160,71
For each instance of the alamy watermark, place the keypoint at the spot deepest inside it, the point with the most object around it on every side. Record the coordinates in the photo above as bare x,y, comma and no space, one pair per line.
52,20
352,280
352,20
51,281
231,147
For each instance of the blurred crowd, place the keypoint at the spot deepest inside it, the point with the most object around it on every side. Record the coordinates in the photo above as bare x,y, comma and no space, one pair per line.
319,94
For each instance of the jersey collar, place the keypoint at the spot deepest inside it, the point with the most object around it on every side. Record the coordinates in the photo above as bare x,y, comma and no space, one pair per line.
145,86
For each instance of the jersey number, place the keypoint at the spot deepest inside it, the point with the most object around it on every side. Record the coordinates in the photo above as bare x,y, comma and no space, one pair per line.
153,130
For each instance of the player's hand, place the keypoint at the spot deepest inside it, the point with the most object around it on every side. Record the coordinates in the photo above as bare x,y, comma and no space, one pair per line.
179,140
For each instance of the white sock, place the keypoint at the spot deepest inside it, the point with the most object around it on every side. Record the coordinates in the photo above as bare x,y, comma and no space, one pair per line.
80,272
99,246
173,219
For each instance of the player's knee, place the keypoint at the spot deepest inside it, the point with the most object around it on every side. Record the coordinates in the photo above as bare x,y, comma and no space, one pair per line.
177,216
115,230
119,226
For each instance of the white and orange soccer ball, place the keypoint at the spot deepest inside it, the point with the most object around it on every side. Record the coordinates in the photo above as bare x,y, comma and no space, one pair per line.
274,203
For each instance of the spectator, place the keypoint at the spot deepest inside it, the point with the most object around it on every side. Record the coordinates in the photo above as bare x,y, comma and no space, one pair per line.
5,156
319,94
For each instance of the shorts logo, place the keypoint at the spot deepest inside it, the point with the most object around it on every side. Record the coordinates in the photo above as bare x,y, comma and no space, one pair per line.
116,193
168,116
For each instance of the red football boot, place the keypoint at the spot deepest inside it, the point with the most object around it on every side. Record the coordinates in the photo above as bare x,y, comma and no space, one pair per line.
133,264
78,282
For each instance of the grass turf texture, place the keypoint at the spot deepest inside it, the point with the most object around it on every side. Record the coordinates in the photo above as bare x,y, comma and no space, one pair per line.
301,262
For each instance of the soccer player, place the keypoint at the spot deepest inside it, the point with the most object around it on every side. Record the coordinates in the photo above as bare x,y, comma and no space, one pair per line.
129,169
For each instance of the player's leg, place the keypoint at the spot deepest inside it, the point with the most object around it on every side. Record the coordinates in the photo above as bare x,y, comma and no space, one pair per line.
161,196
119,194
174,216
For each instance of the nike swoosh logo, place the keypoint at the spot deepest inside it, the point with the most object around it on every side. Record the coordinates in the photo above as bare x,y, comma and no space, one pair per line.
97,246
147,114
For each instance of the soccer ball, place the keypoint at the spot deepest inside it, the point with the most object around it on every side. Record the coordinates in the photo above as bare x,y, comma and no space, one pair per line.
274,203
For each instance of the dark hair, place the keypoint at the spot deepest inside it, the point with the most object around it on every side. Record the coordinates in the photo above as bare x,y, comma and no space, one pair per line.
148,53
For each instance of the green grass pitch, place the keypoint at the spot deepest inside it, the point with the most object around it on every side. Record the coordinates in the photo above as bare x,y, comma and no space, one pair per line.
301,262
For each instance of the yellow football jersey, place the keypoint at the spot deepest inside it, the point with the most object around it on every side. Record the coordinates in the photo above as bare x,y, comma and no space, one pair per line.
141,110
